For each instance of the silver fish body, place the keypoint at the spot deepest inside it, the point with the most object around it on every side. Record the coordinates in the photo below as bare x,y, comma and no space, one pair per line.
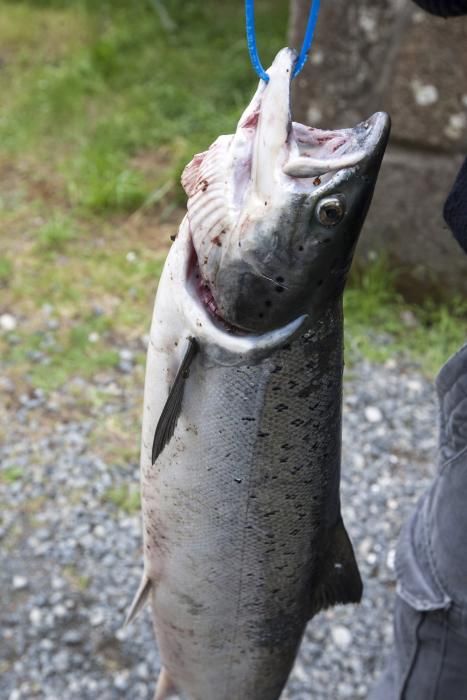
243,537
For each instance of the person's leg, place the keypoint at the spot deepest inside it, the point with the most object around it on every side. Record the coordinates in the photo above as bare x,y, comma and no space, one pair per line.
429,659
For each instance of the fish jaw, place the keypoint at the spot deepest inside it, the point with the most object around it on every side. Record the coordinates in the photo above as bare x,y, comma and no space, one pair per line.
264,256
270,148
220,344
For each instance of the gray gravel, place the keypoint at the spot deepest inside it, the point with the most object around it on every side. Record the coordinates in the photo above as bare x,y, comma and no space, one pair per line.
70,559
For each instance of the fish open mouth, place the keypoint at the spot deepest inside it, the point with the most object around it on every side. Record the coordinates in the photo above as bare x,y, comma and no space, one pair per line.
319,153
248,182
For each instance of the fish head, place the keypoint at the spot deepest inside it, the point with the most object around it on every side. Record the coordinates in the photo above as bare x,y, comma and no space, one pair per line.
275,210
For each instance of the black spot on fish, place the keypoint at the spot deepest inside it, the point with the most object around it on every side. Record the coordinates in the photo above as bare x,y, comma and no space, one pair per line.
296,469
277,368
279,289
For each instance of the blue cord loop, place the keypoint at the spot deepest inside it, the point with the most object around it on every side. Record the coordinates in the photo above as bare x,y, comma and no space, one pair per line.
251,39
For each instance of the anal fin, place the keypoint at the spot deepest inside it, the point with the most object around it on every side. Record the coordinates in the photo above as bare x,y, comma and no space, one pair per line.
140,599
166,425
338,580
165,687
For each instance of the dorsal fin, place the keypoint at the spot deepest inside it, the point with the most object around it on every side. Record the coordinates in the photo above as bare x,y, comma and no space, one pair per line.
168,420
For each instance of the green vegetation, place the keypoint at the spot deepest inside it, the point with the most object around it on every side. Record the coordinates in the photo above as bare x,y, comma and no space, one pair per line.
126,498
6,270
111,82
379,323
55,234
11,474
102,105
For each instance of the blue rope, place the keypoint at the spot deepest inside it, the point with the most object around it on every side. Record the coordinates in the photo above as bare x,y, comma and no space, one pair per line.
251,39
308,38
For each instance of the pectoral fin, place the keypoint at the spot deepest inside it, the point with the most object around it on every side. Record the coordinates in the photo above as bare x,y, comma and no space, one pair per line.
140,599
338,579
166,426
165,688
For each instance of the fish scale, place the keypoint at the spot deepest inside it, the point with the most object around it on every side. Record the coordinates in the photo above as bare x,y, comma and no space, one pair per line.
258,499
241,445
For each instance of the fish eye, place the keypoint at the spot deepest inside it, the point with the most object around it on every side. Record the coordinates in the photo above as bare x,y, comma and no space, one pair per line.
330,210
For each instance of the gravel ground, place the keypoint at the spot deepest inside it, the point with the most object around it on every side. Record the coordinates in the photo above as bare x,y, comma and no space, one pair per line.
70,557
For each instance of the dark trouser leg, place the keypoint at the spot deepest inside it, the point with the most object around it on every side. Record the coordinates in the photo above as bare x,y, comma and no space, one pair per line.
429,659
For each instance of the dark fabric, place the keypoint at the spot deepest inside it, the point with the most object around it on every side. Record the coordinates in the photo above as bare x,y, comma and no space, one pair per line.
429,658
431,555
444,8
455,209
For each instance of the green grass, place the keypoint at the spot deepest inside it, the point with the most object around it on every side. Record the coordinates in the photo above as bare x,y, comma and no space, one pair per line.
53,236
126,498
126,85
11,474
6,271
380,324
